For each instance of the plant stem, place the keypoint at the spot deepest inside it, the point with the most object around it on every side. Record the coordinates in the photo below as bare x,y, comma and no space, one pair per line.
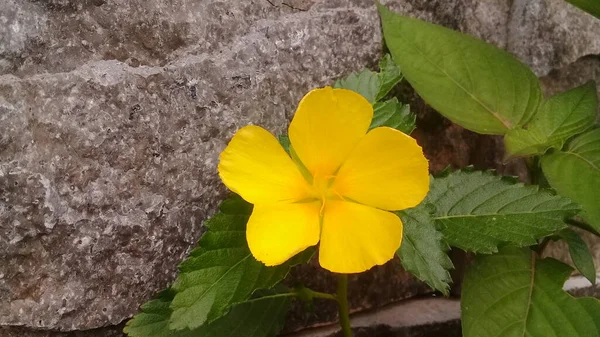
342,298
317,294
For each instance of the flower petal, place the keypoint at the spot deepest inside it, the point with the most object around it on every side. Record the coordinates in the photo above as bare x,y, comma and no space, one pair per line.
327,125
387,170
276,232
255,166
355,237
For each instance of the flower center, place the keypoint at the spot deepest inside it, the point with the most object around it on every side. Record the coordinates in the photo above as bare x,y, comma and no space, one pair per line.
322,188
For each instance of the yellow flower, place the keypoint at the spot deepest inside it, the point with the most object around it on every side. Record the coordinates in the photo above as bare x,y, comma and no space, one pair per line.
338,189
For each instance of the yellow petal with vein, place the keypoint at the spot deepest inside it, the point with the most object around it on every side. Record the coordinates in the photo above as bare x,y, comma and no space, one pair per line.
327,125
277,232
387,170
355,237
255,166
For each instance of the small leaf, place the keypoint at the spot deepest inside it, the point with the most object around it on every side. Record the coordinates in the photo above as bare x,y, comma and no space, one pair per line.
371,85
389,76
260,317
220,272
580,254
478,211
423,253
558,119
513,293
575,174
366,83
474,84
393,114
153,319
590,6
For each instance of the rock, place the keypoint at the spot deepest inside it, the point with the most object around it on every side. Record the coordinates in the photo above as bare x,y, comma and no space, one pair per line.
112,115
551,34
107,170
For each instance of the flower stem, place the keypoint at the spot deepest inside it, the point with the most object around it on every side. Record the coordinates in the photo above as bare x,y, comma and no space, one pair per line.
318,294
342,298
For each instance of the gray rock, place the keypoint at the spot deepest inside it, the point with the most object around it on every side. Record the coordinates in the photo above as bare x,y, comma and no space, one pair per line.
113,112
550,34
107,170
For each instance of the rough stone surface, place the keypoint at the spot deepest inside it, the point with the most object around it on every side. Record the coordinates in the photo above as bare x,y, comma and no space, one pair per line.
113,112
573,75
107,170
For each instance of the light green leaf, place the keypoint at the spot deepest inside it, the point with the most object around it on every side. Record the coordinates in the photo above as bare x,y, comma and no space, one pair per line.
371,85
580,254
575,174
221,271
393,114
366,83
423,253
590,6
558,119
478,211
474,84
513,293
389,76
259,317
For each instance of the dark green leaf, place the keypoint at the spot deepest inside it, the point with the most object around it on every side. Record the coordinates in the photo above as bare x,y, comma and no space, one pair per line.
220,272
262,316
389,76
580,254
512,293
473,83
423,253
393,114
575,173
558,119
153,319
590,6
478,211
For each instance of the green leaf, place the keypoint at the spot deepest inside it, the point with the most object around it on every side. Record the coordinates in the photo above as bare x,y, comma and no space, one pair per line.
423,253
580,254
260,317
393,114
389,76
478,211
153,319
590,6
575,173
366,83
221,271
371,85
558,119
374,87
474,84
512,293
